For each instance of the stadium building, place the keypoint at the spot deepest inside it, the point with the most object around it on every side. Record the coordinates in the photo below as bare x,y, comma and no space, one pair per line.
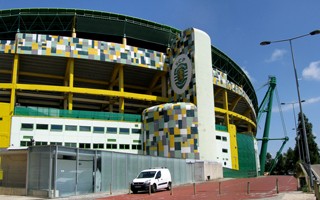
97,80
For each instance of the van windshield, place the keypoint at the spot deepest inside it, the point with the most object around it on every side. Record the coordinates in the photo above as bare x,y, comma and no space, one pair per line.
148,174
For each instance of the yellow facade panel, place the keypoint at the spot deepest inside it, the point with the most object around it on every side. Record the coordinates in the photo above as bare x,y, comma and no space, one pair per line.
171,141
156,116
35,46
92,51
48,51
5,124
160,146
176,131
233,146
191,141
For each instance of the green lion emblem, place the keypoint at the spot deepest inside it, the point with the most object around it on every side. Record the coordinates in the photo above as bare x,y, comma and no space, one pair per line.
181,73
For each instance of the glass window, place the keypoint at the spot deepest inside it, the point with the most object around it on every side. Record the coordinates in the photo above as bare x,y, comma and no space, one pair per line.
71,128
136,146
42,126
26,126
98,146
111,146
56,143
97,129
224,138
85,145
225,150
218,137
41,143
56,127
136,131
124,131
70,144
112,130
23,143
85,128
124,146
27,137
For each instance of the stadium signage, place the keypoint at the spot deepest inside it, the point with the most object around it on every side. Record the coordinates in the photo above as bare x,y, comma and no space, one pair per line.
181,73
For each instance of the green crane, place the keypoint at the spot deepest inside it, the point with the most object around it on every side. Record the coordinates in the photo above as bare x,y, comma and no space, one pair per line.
266,107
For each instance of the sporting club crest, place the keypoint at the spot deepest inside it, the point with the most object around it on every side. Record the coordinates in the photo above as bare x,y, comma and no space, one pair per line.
180,75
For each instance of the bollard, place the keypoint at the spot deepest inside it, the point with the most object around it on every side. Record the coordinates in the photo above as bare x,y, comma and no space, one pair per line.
110,189
277,186
248,188
219,187
318,192
194,188
129,191
171,190
316,189
150,189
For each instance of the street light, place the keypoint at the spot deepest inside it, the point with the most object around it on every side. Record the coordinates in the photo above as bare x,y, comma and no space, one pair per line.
295,126
306,147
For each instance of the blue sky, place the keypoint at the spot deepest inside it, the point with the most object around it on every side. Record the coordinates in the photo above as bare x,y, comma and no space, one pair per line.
237,28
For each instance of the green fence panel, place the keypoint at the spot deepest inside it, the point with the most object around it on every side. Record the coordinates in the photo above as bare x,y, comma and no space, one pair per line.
247,159
52,112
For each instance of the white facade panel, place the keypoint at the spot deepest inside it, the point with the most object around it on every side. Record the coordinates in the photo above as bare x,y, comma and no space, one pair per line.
205,98
222,149
129,140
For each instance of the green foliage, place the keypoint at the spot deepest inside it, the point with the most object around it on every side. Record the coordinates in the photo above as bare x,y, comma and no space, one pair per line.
269,162
313,146
287,162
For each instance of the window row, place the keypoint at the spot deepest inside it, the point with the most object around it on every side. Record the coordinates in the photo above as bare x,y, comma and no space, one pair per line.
86,145
94,129
223,138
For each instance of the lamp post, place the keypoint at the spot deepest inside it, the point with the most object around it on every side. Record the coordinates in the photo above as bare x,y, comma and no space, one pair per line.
295,127
304,134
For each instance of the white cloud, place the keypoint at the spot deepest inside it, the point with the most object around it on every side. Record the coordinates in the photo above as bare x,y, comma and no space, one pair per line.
312,72
276,55
313,100
247,73
288,106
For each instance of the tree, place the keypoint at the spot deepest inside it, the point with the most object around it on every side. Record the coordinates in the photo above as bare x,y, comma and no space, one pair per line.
313,147
278,165
287,162
269,161
290,161
279,169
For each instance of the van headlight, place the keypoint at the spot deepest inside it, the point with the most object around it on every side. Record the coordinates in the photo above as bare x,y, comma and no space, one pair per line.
147,182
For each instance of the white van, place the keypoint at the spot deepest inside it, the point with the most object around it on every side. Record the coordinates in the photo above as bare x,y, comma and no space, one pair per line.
157,178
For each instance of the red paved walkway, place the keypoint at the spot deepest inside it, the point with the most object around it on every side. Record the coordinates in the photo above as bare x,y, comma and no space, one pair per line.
260,187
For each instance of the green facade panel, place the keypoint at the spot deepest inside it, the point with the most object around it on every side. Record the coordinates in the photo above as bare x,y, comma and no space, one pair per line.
247,159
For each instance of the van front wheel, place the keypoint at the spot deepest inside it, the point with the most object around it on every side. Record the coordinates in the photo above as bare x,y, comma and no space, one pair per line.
153,188
169,186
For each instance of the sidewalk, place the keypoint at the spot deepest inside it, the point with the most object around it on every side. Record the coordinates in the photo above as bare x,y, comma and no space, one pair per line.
230,189
245,188
298,195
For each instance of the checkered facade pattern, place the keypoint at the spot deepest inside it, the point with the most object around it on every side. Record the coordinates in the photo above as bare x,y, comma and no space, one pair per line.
51,45
171,130
184,44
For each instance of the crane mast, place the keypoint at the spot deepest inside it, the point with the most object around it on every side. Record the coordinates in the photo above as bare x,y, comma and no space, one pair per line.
268,99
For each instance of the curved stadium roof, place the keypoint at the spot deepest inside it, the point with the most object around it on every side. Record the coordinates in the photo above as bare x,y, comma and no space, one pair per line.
109,27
